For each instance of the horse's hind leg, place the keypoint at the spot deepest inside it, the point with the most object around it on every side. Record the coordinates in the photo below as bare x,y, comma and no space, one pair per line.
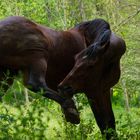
68,106
101,106
37,74
35,80
36,77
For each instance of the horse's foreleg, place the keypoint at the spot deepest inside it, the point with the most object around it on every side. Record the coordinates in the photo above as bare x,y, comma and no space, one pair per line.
102,109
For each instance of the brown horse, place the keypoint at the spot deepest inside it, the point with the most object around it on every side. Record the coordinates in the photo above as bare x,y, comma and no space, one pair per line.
85,59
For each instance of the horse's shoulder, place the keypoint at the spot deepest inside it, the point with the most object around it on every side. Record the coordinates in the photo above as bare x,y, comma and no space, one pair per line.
78,37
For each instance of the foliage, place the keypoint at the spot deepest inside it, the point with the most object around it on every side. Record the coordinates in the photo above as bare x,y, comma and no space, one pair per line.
26,115
42,119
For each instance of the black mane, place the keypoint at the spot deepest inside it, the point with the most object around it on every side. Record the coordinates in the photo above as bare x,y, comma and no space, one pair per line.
93,29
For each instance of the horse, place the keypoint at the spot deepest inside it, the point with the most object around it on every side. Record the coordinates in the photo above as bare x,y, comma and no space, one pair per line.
85,58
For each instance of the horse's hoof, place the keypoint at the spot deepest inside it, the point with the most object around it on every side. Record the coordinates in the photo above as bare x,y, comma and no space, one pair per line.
70,112
71,115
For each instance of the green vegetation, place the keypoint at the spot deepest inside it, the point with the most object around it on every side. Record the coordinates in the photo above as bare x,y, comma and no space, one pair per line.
25,115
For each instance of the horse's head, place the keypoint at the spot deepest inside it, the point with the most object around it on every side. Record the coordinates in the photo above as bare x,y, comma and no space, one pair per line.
87,68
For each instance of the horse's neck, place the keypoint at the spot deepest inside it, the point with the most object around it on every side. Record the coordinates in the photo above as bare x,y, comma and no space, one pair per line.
77,38
79,34
68,37
81,30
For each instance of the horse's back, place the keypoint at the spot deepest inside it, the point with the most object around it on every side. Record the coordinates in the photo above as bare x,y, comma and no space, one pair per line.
21,40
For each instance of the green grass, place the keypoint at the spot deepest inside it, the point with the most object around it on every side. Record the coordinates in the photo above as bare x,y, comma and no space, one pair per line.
42,119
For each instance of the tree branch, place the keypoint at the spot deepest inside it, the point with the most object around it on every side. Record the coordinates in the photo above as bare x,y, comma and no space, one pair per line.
125,21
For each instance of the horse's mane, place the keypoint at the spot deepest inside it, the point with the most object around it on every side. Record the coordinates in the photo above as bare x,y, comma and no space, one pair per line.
82,25
98,23
93,29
